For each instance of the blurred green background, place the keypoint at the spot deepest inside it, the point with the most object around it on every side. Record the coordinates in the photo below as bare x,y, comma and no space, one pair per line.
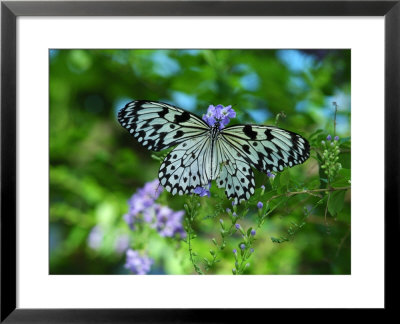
96,166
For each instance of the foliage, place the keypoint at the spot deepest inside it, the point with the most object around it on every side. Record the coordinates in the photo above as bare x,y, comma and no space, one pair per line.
302,225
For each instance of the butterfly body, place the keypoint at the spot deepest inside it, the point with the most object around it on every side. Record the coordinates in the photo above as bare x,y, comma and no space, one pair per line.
204,153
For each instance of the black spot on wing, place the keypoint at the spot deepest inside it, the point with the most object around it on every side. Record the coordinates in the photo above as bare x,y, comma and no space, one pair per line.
268,134
246,148
178,134
163,112
248,131
185,116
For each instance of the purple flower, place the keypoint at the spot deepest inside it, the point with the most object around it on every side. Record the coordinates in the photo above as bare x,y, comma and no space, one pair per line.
136,263
226,113
168,223
228,210
149,214
234,251
260,205
203,191
270,175
253,232
220,115
262,186
251,250
237,226
130,220
329,137
141,201
212,115
95,237
242,246
142,204
336,138
145,197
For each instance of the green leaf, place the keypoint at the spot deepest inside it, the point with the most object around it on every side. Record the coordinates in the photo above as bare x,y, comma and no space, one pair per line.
285,178
279,240
336,201
314,184
345,173
345,160
344,176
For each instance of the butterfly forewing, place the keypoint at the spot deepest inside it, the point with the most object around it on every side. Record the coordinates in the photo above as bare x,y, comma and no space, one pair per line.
267,148
158,126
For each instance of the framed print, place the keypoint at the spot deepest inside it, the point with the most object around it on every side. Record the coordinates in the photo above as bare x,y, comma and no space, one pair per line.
178,148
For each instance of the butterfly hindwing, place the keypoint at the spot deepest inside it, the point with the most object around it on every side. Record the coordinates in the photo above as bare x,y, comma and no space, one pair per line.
158,125
267,148
236,175
186,166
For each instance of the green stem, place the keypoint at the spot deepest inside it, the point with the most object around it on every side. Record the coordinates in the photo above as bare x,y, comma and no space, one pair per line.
309,192
190,218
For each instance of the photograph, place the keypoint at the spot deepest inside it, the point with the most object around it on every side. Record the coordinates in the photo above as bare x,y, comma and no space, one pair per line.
199,161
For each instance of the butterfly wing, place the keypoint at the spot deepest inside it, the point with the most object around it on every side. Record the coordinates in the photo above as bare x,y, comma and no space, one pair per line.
267,148
187,166
236,175
158,126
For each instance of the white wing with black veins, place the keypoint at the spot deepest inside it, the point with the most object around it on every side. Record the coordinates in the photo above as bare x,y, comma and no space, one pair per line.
158,126
188,166
267,148
236,175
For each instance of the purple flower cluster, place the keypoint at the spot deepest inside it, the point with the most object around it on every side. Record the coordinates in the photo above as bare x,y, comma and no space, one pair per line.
142,207
219,115
137,263
270,175
168,222
329,138
143,199
203,191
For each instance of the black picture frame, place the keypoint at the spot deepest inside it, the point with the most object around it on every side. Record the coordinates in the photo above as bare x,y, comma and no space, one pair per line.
10,10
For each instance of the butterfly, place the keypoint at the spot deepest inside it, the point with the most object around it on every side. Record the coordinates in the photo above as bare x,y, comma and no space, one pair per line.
207,152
